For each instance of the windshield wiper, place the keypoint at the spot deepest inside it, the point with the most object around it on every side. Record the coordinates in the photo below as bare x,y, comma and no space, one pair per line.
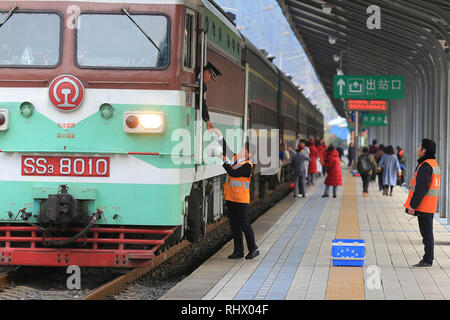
145,34
8,15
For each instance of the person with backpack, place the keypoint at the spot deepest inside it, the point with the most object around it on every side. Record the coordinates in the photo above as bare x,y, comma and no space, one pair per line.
366,166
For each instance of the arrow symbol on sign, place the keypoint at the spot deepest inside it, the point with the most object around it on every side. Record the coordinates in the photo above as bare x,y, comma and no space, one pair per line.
341,84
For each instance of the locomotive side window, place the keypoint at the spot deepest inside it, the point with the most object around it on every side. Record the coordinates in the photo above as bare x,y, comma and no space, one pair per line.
189,37
30,40
114,41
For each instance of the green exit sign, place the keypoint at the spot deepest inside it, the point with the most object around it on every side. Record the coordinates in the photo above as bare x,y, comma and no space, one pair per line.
368,87
374,120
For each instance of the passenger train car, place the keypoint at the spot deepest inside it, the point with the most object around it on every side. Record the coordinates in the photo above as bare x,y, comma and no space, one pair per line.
96,101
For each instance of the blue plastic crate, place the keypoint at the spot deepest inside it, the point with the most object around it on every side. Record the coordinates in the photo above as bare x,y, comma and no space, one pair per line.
348,252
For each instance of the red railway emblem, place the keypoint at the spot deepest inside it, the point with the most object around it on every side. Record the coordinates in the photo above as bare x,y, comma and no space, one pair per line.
66,93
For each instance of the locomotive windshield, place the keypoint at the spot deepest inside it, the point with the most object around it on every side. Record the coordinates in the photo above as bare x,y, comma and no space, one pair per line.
30,40
114,41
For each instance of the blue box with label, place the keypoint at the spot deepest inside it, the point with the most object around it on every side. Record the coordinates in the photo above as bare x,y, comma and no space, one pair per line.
348,252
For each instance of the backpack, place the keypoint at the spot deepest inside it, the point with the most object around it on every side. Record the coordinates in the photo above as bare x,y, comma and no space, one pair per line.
366,165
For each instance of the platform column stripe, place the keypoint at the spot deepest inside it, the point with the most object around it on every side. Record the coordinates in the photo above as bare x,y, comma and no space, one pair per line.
347,283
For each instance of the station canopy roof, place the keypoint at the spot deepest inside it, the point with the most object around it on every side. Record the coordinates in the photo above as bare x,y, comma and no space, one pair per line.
336,36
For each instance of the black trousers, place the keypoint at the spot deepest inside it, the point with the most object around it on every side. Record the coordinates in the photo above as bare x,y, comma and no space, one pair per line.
239,222
365,180
380,181
299,185
426,230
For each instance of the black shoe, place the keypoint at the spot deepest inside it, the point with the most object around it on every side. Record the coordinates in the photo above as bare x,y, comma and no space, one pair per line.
252,255
422,265
325,196
334,196
236,256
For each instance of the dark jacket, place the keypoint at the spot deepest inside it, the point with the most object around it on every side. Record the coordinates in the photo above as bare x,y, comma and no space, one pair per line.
243,171
205,113
298,163
372,161
423,181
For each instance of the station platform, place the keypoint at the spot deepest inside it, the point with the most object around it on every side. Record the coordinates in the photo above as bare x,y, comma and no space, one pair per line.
295,240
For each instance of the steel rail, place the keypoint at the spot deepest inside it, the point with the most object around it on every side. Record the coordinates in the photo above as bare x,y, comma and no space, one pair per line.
115,286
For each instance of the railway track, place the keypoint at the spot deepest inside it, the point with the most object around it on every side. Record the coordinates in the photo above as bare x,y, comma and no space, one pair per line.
113,287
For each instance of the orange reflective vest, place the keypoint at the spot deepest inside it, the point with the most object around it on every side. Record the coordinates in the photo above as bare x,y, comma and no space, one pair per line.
429,202
238,189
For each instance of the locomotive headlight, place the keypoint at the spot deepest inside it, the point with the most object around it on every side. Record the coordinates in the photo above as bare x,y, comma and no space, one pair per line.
4,119
151,121
144,122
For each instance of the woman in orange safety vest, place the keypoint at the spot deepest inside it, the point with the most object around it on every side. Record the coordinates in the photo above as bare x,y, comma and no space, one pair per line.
237,196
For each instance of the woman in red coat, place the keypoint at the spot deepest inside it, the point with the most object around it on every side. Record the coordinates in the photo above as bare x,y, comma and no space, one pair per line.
334,172
312,167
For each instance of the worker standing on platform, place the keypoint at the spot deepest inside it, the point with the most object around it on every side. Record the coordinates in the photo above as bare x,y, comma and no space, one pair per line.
237,197
424,196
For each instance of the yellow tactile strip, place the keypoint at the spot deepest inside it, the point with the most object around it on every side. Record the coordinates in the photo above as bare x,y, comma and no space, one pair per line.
347,283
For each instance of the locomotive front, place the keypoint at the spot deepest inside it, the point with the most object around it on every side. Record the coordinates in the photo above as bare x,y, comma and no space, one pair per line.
90,96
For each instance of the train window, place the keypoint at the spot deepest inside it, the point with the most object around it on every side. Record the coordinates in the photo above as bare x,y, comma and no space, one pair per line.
220,34
30,40
228,41
233,45
189,38
214,29
114,41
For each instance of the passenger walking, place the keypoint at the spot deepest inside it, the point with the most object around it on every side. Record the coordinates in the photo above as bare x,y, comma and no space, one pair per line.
378,157
340,150
424,196
306,152
351,154
374,147
298,170
320,158
401,156
334,172
312,167
391,170
366,166
324,158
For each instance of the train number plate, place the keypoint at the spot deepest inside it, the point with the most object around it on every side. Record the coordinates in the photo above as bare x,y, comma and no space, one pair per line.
65,166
